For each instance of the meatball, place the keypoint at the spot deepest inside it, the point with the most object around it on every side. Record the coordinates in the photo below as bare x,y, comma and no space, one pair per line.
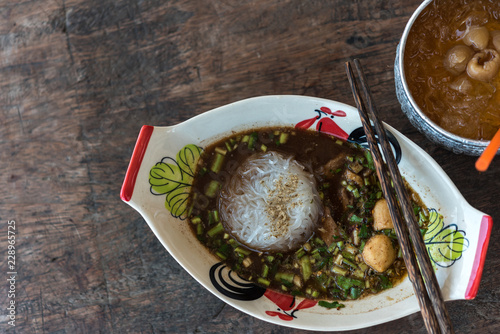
382,216
457,57
484,66
495,37
379,253
461,84
477,37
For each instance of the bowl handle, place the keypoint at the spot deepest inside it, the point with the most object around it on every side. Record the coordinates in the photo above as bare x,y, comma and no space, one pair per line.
482,247
135,163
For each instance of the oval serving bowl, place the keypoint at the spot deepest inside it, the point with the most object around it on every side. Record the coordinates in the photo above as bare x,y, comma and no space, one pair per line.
457,239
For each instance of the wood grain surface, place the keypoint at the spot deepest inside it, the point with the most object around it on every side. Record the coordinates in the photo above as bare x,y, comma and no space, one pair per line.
79,78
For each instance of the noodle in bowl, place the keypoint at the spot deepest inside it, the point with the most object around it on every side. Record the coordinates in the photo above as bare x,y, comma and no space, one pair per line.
281,188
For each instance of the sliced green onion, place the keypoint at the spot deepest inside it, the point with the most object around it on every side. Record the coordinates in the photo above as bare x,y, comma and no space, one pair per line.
369,160
217,164
306,267
263,281
283,138
332,247
211,219
363,231
385,282
212,188
338,259
252,140
215,230
215,214
358,273
355,293
351,249
221,150
222,256
349,263
199,229
355,219
265,270
347,282
300,253
242,250
339,270
334,304
288,277
196,220
363,266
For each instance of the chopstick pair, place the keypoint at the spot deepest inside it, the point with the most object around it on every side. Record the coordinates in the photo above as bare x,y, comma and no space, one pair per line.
420,271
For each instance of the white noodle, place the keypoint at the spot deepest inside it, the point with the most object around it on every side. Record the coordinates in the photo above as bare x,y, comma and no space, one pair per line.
264,185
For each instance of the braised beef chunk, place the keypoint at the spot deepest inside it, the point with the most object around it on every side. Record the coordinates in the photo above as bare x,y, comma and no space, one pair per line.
329,228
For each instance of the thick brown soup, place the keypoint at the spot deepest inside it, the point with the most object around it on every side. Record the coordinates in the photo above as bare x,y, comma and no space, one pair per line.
351,250
452,62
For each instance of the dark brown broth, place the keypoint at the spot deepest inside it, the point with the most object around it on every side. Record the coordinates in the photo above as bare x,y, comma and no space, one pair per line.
313,150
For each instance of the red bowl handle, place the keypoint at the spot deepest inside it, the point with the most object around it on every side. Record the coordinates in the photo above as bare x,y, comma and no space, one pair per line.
482,247
135,162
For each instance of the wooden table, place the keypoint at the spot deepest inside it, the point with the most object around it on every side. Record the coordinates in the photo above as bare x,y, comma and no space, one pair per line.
79,78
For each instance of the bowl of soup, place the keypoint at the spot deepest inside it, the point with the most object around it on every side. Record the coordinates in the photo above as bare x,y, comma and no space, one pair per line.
447,72
273,205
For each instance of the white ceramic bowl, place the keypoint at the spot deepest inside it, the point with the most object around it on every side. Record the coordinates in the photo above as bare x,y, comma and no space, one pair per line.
458,262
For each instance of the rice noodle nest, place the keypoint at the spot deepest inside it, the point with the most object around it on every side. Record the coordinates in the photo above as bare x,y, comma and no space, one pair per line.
270,203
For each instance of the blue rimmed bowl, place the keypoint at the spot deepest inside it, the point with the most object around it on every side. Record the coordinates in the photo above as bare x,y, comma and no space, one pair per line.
435,133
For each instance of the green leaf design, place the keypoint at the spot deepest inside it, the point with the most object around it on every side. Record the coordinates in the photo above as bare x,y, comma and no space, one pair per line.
165,177
188,157
173,178
445,244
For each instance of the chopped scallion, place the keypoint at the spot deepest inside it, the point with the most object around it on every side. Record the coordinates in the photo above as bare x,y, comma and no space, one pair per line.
242,250
263,281
212,188
283,138
215,230
326,304
288,277
217,164
306,267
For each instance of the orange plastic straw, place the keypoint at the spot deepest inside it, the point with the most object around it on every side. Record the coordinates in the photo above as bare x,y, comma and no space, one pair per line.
488,154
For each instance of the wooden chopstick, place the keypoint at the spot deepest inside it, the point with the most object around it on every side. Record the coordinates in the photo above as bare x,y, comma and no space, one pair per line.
427,291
